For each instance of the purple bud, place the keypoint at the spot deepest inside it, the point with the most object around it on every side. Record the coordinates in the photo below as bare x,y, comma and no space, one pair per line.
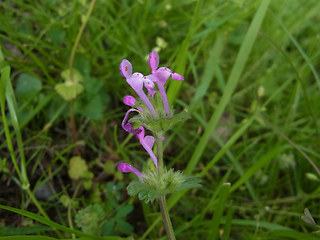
129,100
125,167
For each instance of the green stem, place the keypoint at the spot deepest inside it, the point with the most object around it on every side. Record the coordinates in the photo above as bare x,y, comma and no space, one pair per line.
166,218
160,153
35,201
7,94
71,61
162,200
70,206
76,43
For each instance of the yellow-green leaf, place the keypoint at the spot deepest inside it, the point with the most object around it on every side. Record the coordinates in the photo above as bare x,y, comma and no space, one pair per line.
77,168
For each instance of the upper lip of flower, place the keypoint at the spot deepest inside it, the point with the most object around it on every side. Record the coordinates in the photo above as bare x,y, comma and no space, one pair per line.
137,81
161,76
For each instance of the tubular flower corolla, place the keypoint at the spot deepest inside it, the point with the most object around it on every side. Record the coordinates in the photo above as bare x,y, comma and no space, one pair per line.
160,76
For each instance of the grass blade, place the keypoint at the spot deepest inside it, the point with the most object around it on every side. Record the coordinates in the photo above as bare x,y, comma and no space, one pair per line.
264,160
182,55
55,225
234,77
214,226
27,237
209,71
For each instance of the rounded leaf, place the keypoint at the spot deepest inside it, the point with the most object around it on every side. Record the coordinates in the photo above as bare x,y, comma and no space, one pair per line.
77,168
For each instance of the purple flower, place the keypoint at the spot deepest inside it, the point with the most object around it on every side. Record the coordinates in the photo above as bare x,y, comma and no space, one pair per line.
147,143
125,167
160,76
128,126
137,81
130,101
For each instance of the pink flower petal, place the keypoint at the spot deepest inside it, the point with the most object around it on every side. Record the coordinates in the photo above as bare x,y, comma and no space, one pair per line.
136,81
153,60
128,126
129,100
151,92
125,167
149,141
177,76
148,83
140,135
161,76
125,68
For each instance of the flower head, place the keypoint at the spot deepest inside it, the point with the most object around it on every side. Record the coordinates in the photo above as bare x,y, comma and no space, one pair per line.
161,76
137,81
155,121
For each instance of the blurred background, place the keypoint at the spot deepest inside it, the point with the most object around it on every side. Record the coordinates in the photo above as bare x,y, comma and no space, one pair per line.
251,87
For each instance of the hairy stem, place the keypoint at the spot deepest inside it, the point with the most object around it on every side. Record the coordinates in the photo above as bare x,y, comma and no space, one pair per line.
166,218
159,153
162,200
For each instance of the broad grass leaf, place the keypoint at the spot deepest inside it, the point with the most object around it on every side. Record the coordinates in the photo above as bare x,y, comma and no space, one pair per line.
27,85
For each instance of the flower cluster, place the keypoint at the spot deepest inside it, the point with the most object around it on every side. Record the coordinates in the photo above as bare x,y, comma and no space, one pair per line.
151,115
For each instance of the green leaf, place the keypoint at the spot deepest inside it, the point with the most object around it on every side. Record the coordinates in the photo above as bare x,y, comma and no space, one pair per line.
50,223
75,78
307,218
27,85
124,226
123,211
82,63
150,187
90,218
77,168
27,237
215,223
69,91
159,123
93,109
23,230
92,85
57,34
108,227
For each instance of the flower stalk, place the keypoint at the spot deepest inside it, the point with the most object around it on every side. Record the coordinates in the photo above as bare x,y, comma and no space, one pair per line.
162,200
166,218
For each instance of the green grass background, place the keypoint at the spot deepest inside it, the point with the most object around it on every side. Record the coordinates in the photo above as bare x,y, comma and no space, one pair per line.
251,86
